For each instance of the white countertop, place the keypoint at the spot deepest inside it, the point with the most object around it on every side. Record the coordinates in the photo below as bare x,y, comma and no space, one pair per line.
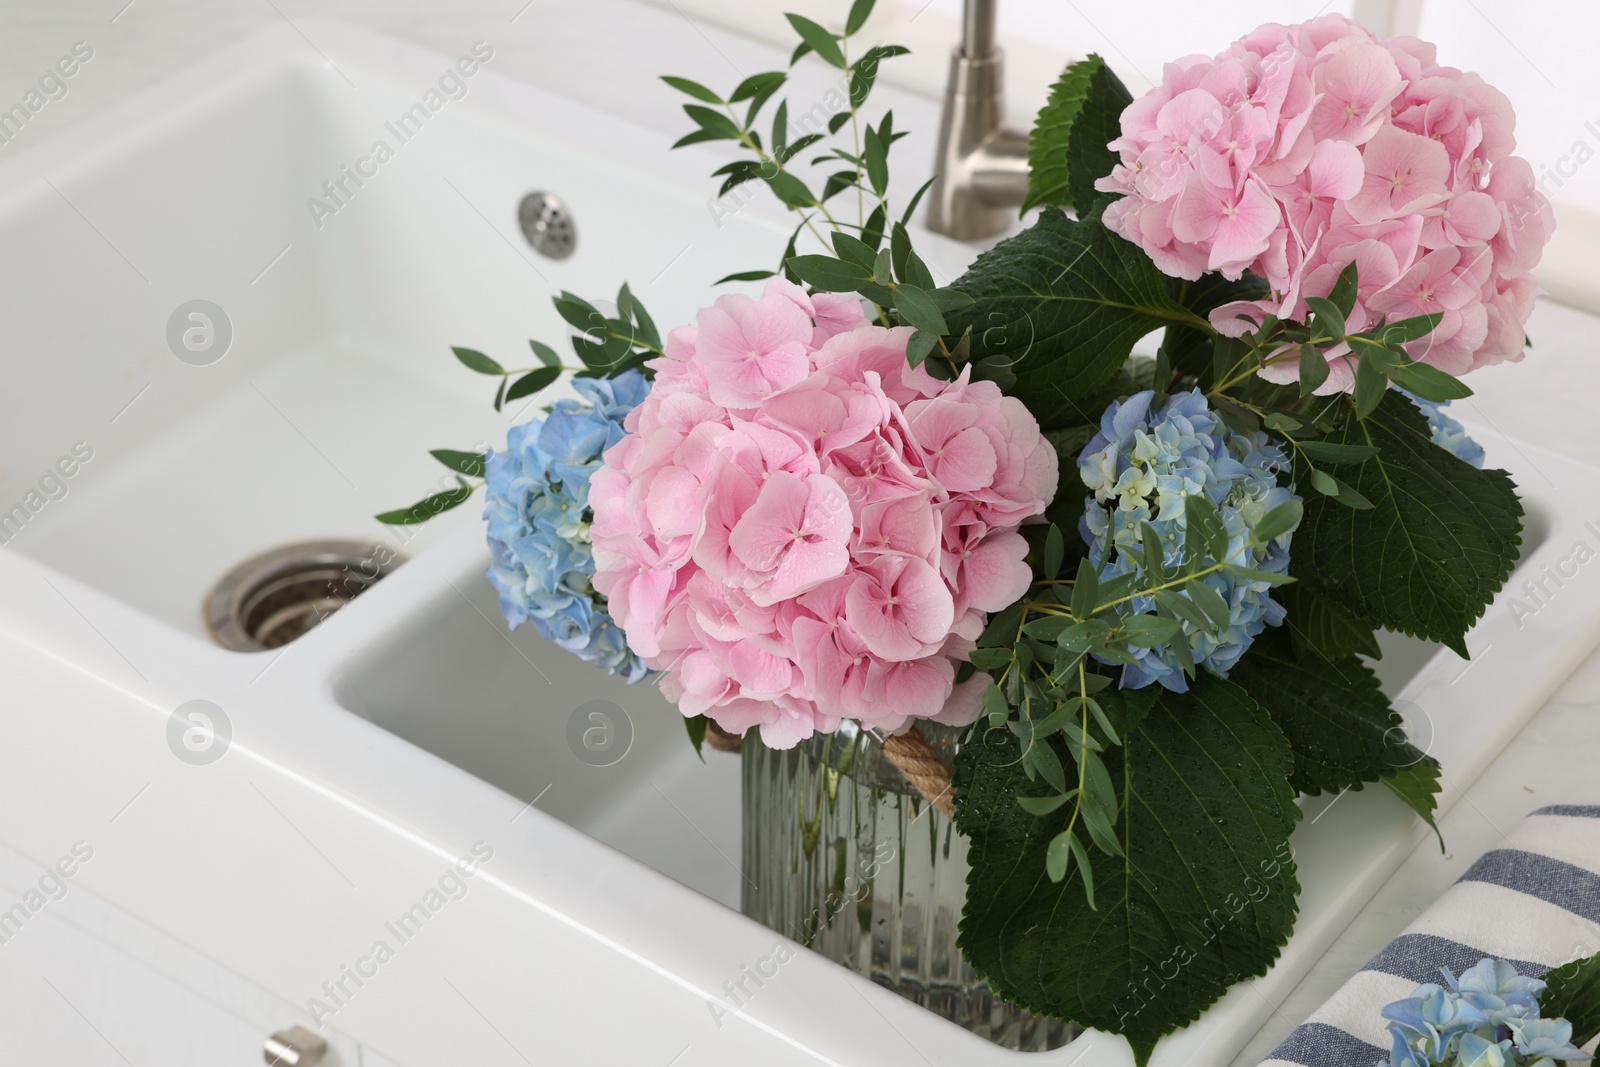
550,43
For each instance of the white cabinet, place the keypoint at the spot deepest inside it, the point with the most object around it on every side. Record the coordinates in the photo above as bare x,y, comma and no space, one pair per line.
85,985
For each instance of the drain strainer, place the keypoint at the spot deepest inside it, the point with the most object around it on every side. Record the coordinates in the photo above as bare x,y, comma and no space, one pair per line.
547,224
271,599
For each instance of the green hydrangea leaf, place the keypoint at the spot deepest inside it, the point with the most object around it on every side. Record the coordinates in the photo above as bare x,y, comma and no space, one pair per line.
1438,542
1064,302
1068,149
1205,883
1338,722
1573,993
1188,348
1418,786
1319,627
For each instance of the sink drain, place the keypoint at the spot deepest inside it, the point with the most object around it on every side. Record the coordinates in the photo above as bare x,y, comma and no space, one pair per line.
547,224
271,599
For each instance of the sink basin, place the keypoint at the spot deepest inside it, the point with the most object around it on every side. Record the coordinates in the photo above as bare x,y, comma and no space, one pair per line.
511,698
339,374
412,722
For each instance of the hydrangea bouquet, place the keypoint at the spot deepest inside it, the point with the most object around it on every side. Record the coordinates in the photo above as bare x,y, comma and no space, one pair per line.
1145,585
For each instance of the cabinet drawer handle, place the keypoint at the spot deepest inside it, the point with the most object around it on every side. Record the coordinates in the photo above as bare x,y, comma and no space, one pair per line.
294,1047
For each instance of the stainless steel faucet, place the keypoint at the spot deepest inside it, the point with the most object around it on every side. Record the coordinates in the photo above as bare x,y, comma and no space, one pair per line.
981,170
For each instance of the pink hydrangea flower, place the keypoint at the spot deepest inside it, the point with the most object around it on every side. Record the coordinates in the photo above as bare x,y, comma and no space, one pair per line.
800,527
1302,149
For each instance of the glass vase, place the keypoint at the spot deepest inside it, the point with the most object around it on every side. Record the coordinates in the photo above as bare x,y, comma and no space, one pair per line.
844,856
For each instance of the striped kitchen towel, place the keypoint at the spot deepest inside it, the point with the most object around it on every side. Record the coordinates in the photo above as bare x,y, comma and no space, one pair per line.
1534,903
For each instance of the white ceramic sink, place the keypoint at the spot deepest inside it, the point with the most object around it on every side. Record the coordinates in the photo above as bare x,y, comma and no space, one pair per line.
412,724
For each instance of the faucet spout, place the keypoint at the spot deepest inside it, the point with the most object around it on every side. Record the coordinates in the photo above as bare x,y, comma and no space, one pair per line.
981,168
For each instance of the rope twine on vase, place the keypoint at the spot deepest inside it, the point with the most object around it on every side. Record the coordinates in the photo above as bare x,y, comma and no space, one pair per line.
909,753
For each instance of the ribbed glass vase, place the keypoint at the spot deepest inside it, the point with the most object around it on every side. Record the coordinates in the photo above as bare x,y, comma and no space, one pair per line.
844,856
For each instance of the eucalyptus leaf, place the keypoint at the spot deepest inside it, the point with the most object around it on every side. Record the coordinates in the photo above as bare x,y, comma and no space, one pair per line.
1085,590
1279,521
544,353
756,84
1211,602
817,39
917,308
1182,607
921,346
1430,383
827,274
696,726
1345,290
1313,369
853,249
875,156
1044,805
468,463
427,508
859,12
1327,316
712,122
1411,329
1371,383
1054,550
472,359
532,382
1148,631
694,89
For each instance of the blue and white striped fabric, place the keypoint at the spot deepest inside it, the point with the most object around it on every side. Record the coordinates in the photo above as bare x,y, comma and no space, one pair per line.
1534,903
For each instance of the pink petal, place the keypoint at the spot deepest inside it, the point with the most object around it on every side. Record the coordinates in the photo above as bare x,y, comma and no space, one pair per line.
993,574
674,504
1242,232
917,688
760,674
1404,173
775,321
964,463
804,566
905,525
769,528
1335,170
1199,210
965,701
924,601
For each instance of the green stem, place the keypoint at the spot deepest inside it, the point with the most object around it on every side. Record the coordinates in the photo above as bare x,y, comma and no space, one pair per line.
614,335
1185,580
761,154
855,136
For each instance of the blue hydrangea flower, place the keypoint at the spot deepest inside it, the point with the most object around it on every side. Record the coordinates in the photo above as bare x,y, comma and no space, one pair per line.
1495,988
1140,467
1547,1038
1489,1017
538,516
1427,1026
1447,433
